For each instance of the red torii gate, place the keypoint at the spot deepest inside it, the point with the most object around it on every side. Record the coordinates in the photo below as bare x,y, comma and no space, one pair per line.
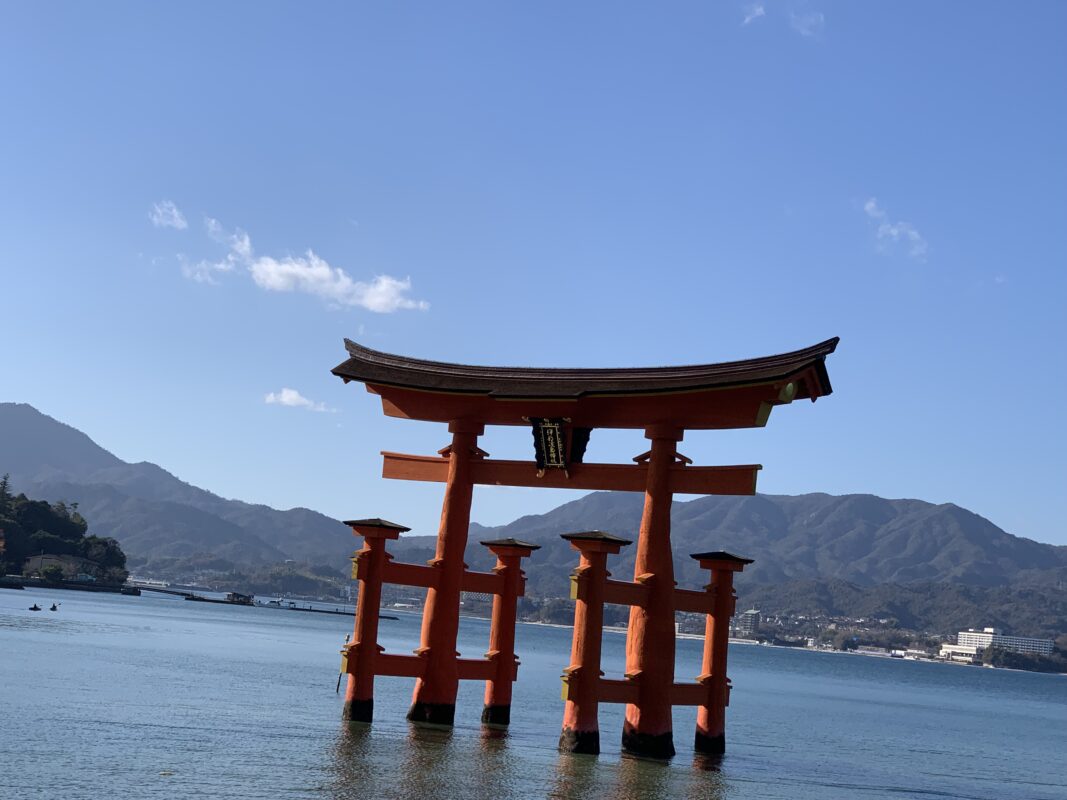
564,406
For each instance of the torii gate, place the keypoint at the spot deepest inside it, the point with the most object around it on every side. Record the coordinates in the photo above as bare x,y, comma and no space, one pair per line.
564,406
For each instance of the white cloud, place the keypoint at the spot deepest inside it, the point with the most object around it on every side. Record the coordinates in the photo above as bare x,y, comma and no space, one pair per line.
293,399
239,242
309,274
752,12
890,233
872,209
204,271
239,245
165,214
807,23
313,275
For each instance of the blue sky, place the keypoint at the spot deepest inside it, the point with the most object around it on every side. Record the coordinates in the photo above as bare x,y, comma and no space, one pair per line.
199,201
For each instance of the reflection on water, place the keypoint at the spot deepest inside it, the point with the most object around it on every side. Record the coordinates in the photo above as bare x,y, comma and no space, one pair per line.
642,777
707,763
352,764
431,762
707,781
438,763
426,762
575,776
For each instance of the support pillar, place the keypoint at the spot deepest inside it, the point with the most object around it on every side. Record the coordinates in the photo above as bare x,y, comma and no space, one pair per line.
509,554
581,680
711,714
434,699
369,568
650,638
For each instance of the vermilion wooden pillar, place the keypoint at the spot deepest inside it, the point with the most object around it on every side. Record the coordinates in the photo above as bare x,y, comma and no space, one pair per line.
581,680
711,715
434,699
650,638
369,569
509,554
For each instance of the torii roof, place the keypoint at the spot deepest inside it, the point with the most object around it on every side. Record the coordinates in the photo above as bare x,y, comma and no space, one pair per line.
611,397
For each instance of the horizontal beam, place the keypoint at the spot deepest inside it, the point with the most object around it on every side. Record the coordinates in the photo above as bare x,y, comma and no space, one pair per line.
693,601
731,480
403,666
624,593
726,407
690,694
393,664
613,690
482,582
476,669
403,574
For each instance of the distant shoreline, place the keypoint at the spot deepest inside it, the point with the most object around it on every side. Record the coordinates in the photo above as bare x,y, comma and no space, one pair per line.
692,636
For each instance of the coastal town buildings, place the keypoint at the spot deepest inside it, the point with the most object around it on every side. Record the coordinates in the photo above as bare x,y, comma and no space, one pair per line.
991,637
963,654
748,623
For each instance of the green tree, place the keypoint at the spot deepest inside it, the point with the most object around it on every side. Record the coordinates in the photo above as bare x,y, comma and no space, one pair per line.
5,494
50,544
35,527
53,573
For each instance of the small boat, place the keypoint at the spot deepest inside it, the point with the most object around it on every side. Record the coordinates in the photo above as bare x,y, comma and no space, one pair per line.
232,598
54,607
35,607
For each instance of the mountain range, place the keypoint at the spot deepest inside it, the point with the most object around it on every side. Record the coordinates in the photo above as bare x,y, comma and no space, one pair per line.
153,514
859,540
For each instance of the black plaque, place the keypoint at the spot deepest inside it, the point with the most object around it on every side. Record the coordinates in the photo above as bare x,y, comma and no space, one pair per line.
550,443
557,444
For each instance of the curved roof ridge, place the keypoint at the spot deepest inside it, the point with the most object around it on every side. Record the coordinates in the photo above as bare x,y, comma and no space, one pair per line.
363,353
379,368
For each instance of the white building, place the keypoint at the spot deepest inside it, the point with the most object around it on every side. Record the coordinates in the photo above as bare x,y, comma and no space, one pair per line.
965,654
748,623
991,637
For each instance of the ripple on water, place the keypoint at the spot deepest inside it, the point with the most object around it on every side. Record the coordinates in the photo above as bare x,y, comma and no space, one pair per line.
153,700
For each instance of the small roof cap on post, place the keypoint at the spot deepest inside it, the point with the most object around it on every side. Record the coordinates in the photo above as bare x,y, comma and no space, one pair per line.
375,522
720,559
376,527
595,541
594,536
510,542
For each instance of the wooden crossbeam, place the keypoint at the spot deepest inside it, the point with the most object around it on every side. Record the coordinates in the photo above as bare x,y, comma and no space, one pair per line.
690,694
625,593
394,664
483,582
477,669
684,479
693,601
613,690
403,666
403,574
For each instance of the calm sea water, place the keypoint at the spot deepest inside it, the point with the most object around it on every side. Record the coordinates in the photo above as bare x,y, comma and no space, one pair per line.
154,697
